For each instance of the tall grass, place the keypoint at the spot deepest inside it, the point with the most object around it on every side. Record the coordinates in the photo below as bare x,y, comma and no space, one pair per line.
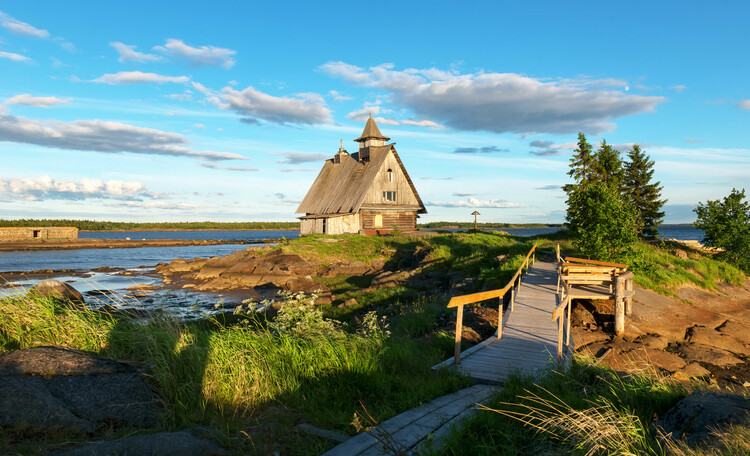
210,374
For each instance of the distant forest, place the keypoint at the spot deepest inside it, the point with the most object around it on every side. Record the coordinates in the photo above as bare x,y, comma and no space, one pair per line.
95,225
487,225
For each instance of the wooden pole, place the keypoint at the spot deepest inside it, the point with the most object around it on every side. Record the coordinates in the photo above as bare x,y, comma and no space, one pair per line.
500,319
619,307
459,329
512,298
570,304
629,299
559,340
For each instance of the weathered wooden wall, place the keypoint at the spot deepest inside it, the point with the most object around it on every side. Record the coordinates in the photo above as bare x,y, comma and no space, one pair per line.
404,194
338,224
403,220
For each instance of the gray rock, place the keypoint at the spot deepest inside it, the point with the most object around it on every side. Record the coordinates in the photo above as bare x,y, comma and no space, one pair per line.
58,290
180,443
710,355
693,417
49,361
655,341
49,389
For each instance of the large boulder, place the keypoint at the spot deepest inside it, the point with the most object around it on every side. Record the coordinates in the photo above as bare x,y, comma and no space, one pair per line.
56,289
694,417
709,355
50,389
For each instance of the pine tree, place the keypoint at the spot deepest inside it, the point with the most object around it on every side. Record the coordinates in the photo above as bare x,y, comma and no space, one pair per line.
643,194
582,162
607,166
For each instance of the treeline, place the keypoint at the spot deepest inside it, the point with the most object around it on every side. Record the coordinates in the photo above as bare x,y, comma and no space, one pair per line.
96,225
487,225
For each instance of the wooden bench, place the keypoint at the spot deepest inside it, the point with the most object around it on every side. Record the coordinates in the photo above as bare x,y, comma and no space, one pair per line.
581,278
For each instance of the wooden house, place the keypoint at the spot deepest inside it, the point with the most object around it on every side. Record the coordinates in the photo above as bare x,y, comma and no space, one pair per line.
367,192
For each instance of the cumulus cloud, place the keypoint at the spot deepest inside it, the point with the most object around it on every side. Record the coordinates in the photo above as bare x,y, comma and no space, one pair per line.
304,108
21,28
200,56
101,136
337,96
479,150
296,158
500,102
14,57
46,188
135,77
462,194
164,205
744,104
129,54
38,102
180,96
475,203
362,115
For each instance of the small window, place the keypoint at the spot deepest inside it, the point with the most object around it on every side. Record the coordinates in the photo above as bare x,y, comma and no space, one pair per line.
389,196
390,175
37,233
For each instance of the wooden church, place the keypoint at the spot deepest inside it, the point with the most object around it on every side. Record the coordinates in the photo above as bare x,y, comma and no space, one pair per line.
367,192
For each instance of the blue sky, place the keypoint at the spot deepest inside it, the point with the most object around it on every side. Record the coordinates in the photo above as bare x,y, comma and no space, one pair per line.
187,111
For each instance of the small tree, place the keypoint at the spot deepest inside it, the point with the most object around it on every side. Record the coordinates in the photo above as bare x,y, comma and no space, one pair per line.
726,224
582,162
602,221
643,194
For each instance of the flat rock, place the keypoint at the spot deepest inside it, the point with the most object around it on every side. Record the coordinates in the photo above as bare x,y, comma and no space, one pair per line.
582,337
654,341
708,336
306,285
58,290
694,417
180,443
50,389
737,330
708,355
347,269
50,361
692,370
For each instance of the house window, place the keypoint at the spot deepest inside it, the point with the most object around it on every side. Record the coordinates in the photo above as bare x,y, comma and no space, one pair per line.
378,221
390,175
37,233
389,196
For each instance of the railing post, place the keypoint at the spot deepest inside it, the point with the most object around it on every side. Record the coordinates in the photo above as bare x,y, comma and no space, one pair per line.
570,304
512,297
559,340
459,330
619,306
629,299
500,319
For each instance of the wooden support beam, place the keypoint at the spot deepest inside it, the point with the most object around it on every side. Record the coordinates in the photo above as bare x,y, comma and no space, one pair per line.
619,306
500,318
459,329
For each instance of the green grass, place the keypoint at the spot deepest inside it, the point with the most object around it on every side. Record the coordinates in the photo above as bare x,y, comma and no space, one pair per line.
233,377
588,409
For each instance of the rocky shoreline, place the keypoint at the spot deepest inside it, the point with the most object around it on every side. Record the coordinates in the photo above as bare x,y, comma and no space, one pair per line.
67,244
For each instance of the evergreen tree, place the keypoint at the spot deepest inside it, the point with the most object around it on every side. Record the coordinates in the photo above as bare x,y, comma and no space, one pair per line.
726,224
607,165
643,194
582,162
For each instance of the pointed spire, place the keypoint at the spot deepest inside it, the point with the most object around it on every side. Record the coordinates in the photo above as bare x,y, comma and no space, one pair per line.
371,131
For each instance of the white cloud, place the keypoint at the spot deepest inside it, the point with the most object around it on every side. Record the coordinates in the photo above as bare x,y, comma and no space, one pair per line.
47,188
337,96
679,87
21,28
38,102
201,56
462,194
129,54
101,136
500,102
158,205
198,125
362,115
306,108
296,158
549,148
180,96
479,150
212,165
14,57
744,104
473,202
300,170
135,77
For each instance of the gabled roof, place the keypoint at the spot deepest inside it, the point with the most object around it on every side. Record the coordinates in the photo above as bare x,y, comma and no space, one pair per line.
341,188
371,131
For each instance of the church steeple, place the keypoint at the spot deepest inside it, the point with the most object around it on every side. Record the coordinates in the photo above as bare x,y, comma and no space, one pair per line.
371,136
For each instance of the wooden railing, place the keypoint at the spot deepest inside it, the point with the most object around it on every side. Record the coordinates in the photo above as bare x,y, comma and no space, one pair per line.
461,301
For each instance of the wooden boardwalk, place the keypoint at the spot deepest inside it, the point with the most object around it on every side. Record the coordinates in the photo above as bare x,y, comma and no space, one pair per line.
418,428
529,339
528,345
